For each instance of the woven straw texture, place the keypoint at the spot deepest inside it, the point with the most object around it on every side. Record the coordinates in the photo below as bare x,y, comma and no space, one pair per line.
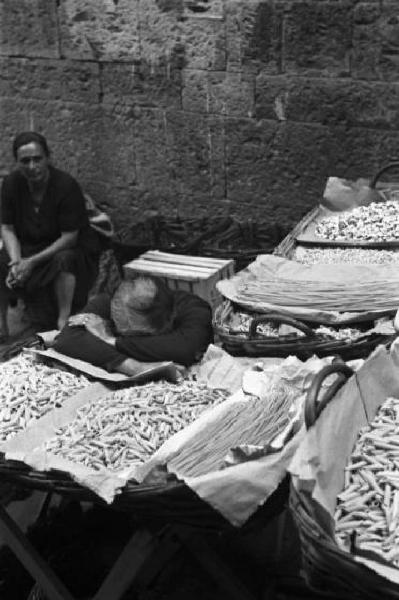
328,570
218,237
243,344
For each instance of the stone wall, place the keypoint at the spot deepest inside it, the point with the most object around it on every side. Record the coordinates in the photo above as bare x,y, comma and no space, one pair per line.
203,106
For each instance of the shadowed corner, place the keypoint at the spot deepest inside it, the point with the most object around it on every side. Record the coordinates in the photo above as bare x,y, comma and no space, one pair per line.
21,329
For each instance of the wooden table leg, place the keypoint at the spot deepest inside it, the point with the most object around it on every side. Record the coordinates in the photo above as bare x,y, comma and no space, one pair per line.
31,559
168,547
121,576
131,560
133,556
213,564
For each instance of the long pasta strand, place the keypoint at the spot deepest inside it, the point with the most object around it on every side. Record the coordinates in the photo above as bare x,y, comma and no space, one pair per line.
328,295
254,421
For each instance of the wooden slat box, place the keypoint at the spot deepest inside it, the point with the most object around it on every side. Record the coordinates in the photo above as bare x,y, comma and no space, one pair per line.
195,274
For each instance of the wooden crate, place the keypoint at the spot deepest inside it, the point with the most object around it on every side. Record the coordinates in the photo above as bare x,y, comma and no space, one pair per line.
195,274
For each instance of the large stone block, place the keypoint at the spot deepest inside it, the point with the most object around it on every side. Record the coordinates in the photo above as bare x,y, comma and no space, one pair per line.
375,54
29,28
359,152
125,205
234,35
195,92
161,31
195,152
273,97
318,37
114,145
13,119
253,35
280,166
232,94
73,132
70,129
100,30
249,145
204,42
188,144
216,141
154,161
142,84
219,92
329,101
49,79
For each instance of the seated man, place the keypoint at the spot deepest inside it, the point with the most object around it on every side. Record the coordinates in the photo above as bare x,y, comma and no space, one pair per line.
143,322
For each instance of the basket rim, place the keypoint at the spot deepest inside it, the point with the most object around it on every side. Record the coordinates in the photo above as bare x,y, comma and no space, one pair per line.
323,561
19,470
296,340
319,340
173,501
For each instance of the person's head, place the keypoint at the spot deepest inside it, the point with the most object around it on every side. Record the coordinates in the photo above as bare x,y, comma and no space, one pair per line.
32,155
142,305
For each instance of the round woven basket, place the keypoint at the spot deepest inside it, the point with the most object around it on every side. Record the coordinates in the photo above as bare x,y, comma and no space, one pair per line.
328,570
303,346
171,501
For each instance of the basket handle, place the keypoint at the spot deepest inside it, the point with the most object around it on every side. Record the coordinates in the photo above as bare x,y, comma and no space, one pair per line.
278,318
314,406
376,177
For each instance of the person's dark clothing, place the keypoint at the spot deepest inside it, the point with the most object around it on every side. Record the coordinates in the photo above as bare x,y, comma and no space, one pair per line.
184,344
62,209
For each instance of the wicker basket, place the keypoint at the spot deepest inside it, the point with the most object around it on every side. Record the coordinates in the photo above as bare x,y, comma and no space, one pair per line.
172,501
244,241
328,570
217,237
287,247
304,346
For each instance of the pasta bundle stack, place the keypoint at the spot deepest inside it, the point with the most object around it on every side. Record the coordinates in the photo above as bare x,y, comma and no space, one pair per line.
342,287
250,421
358,296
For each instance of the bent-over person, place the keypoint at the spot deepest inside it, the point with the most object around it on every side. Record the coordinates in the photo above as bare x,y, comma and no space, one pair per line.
142,324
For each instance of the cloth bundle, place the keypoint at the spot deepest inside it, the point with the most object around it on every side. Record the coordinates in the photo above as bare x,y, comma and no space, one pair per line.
99,220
